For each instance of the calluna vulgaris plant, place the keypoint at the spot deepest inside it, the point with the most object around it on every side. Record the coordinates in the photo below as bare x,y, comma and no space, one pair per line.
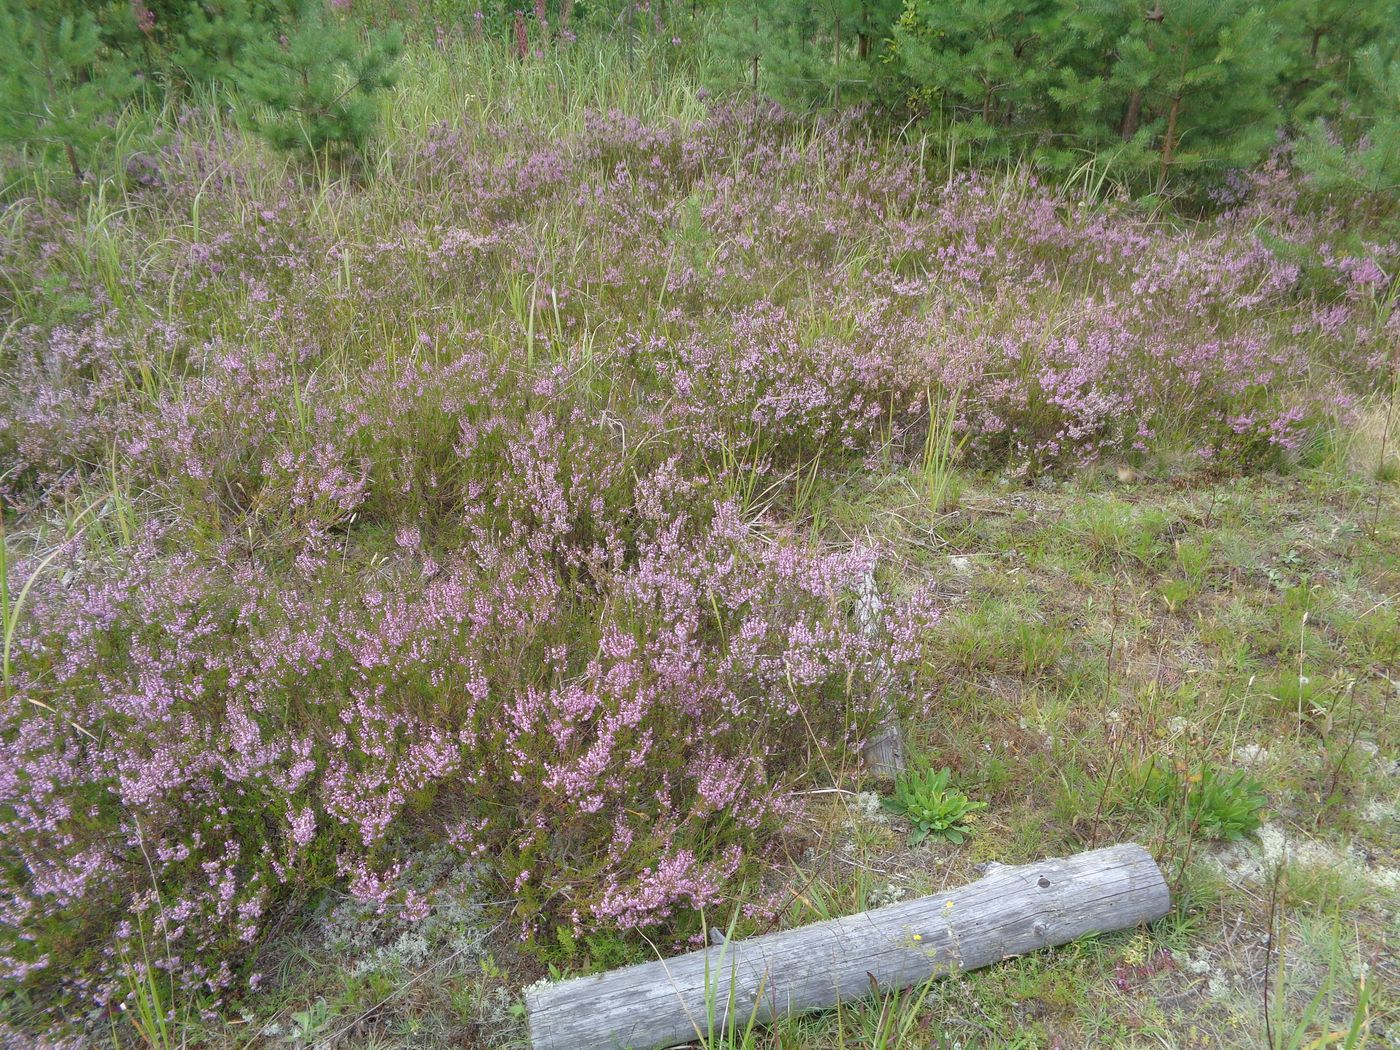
407,564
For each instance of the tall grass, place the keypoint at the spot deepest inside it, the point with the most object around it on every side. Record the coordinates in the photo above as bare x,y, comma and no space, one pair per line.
1313,995
473,83
729,1024
149,1004
12,601
942,445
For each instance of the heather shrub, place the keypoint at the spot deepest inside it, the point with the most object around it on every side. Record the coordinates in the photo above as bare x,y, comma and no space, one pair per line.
261,735
439,509
766,391
58,406
274,725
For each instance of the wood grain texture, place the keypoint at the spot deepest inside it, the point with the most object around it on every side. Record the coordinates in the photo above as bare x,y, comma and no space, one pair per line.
883,753
1011,911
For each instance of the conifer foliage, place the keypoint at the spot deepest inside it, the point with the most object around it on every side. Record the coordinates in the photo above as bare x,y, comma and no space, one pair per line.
1184,86
985,66
60,86
1360,148
1161,92
214,36
831,52
308,78
319,88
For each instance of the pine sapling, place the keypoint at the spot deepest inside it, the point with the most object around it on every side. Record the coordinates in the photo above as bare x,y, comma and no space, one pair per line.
60,89
318,88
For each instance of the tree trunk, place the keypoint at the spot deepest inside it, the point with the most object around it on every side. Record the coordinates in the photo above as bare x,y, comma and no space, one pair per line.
73,165
1013,910
1168,143
1129,127
755,54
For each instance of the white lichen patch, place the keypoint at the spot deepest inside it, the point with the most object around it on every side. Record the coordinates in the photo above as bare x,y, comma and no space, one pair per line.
369,940
1380,812
879,896
1250,755
1253,861
1200,965
1219,987
867,806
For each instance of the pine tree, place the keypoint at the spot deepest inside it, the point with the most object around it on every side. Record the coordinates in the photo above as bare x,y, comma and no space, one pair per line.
61,89
1175,88
827,51
740,34
318,87
215,35
1320,39
987,65
1359,149
1200,81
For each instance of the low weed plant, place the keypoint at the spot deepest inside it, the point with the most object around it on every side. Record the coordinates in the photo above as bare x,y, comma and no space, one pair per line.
933,806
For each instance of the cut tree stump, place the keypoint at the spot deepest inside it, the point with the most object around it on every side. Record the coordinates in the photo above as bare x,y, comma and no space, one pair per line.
1011,911
883,753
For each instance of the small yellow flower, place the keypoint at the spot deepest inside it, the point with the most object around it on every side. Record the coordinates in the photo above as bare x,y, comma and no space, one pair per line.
948,905
918,936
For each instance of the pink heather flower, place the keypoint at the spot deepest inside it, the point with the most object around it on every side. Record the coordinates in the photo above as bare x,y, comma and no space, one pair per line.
145,17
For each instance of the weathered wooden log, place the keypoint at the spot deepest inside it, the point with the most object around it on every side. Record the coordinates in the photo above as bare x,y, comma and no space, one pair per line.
1011,911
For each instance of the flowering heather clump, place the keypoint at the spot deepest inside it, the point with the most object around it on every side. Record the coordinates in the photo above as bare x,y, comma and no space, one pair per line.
425,511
